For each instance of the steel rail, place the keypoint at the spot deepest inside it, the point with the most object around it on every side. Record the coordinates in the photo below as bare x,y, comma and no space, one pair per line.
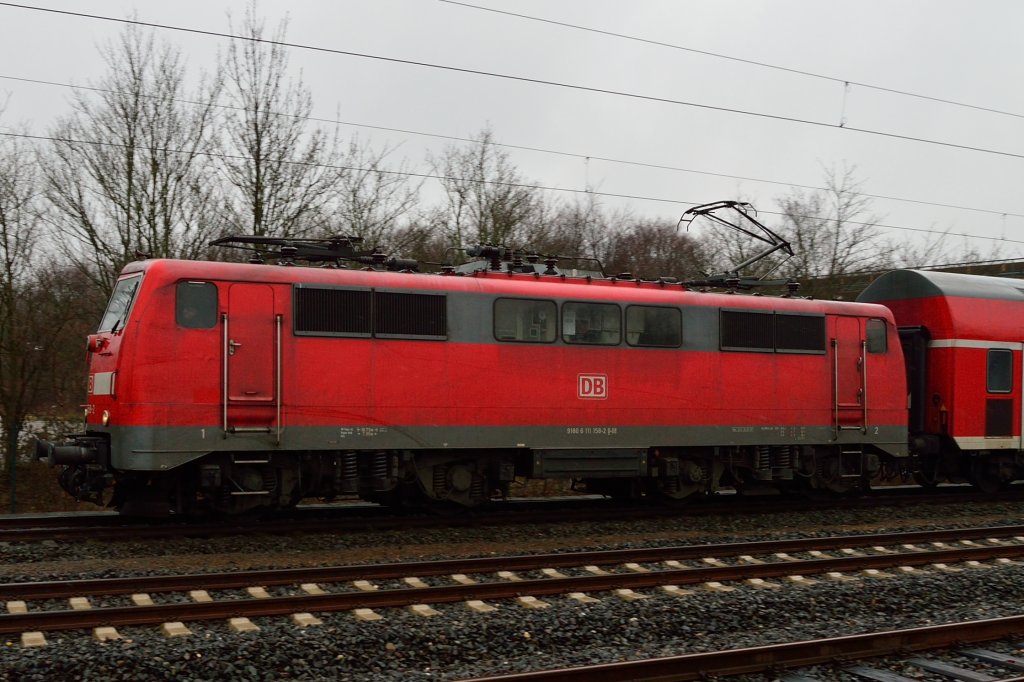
527,562
772,657
343,601
61,520
368,518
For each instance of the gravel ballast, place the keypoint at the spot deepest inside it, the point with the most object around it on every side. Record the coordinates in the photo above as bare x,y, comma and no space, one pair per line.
459,644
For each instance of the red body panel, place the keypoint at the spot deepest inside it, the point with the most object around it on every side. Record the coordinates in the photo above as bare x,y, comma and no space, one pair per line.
168,375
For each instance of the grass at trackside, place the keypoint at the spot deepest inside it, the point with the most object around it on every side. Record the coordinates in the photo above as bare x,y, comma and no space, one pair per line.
37,491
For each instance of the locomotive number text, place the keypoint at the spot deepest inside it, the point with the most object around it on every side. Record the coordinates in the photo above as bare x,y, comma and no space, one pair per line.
591,430
362,431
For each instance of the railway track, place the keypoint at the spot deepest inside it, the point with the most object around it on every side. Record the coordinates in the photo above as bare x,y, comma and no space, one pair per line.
523,579
787,655
109,526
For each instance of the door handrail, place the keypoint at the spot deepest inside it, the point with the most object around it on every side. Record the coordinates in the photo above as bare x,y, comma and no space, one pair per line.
278,318
864,380
224,319
835,387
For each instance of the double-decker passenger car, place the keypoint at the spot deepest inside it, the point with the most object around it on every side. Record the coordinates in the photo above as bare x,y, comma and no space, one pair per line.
963,337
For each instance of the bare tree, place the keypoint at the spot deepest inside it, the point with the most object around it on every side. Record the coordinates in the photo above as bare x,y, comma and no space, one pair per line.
650,248
832,232
19,216
38,305
373,201
580,227
487,199
283,175
940,250
424,238
130,170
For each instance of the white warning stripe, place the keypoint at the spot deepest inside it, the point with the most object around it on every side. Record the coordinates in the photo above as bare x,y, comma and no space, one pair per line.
973,343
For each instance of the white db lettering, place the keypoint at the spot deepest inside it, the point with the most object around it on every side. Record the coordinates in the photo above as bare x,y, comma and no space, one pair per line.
592,386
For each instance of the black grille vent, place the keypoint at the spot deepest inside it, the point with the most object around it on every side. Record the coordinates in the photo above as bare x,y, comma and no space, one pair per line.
332,311
323,311
410,315
999,418
800,333
747,331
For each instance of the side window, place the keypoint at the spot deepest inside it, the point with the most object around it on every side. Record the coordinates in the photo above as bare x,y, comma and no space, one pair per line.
591,323
876,336
195,305
1000,370
657,327
524,320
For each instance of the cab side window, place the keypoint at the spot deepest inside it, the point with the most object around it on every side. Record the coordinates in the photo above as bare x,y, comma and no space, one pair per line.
876,336
195,305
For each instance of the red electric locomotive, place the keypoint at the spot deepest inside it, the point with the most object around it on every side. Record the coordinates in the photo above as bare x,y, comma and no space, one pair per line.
228,387
962,337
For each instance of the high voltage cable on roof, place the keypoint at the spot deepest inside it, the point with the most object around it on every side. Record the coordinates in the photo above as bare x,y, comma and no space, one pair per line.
589,157
523,185
536,81
718,55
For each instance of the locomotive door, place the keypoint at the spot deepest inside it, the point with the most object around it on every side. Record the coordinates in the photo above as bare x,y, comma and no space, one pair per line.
849,377
251,360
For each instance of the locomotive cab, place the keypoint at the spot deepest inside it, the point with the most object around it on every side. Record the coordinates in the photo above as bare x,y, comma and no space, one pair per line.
86,457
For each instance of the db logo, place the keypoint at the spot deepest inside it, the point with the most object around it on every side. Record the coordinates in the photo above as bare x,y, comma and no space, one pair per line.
592,386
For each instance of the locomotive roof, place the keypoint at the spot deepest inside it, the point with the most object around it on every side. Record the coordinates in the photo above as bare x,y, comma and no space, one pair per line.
904,284
498,283
951,305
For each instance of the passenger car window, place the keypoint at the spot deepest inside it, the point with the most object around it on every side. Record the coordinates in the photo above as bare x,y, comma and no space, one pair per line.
652,326
1000,370
195,305
591,323
524,320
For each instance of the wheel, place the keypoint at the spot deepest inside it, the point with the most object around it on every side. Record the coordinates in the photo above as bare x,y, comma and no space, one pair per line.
985,476
674,489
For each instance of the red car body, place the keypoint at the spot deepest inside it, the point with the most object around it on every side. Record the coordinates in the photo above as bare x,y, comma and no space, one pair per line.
299,381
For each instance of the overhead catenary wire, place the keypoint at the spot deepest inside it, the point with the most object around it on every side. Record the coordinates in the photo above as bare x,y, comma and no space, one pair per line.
525,79
576,155
523,185
752,62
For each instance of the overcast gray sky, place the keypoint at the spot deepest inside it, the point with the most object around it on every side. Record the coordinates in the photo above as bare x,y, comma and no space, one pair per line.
968,52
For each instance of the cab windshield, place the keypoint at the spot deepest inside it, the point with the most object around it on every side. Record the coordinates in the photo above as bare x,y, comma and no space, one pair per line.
120,304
